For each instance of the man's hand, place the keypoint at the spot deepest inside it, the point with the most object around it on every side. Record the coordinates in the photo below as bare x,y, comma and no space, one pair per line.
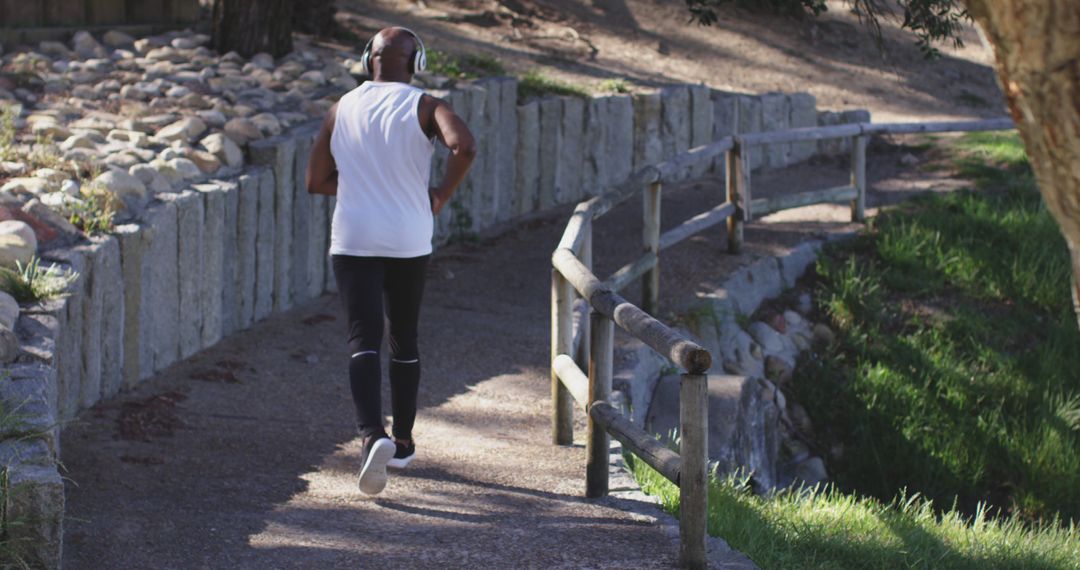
437,202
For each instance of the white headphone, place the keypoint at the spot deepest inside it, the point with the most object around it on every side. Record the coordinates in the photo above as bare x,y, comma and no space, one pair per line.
418,62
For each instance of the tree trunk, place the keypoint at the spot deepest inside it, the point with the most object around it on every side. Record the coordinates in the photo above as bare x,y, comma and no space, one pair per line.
1037,46
252,26
314,16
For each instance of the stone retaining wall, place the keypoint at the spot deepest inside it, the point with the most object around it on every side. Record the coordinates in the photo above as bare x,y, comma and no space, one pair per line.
218,255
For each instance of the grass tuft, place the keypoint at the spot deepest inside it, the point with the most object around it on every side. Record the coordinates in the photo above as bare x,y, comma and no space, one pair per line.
32,282
536,84
618,85
468,66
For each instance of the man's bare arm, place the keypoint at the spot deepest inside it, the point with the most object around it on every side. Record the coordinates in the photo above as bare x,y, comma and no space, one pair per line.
455,134
322,175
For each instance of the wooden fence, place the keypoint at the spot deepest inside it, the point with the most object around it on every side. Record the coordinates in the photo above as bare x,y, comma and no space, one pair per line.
590,344
33,20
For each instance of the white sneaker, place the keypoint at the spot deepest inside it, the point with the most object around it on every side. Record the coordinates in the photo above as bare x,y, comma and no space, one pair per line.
373,474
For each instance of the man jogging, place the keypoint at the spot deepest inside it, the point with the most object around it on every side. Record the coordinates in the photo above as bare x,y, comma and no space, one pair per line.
374,153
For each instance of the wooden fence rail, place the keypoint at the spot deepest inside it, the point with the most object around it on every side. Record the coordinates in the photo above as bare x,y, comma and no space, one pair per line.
590,344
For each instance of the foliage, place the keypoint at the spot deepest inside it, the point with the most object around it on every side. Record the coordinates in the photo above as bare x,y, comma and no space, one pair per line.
95,212
827,528
955,372
32,282
7,133
536,84
468,66
931,21
614,86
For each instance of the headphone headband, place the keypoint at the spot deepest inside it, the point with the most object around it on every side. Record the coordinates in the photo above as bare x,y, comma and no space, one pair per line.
417,63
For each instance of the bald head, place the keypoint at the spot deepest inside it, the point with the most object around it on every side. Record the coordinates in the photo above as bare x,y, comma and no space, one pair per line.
391,52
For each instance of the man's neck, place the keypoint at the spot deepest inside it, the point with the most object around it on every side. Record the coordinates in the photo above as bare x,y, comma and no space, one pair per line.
404,78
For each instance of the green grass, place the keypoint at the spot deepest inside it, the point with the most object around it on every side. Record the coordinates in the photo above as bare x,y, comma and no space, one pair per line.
536,84
7,133
468,66
33,282
953,382
829,529
614,86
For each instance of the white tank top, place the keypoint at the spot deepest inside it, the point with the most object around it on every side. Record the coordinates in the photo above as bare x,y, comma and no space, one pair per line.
384,164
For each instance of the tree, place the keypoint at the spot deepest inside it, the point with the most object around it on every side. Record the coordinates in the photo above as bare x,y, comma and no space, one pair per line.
1036,45
252,26
314,16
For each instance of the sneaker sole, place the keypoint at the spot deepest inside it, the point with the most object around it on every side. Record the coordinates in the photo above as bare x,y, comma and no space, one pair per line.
396,463
373,475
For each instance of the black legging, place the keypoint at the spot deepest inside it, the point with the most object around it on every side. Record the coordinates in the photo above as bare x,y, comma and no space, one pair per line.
362,283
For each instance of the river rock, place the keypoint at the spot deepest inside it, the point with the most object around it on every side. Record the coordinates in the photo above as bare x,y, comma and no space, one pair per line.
187,169
224,149
117,39
9,345
242,130
17,243
823,334
268,124
87,47
25,186
9,311
124,186
186,129
50,129
150,177
206,161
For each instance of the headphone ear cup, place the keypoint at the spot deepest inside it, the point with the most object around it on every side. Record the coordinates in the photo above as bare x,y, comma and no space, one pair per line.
421,60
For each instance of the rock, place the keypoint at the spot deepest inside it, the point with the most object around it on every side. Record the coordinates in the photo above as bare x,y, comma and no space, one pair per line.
909,160
186,129
242,131
50,129
122,160
117,39
187,169
315,77
823,335
194,101
778,370
9,345
25,186
177,92
799,418
213,118
208,163
224,149
268,124
70,188
124,186
54,177
49,226
55,49
18,243
132,138
78,141
812,472
804,305
772,342
12,168
796,450
151,178
86,46
185,43
263,60
9,311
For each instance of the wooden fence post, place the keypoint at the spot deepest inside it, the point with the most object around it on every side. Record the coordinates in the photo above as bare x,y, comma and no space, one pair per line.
737,180
601,353
693,481
650,283
562,335
858,177
586,257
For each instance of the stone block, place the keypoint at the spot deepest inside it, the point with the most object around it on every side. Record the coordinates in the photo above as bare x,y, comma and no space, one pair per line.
674,120
568,174
527,157
137,346
636,370
725,122
474,102
487,182
550,129
648,146
265,247
775,116
749,117
107,275
594,170
93,291
280,155
507,140
301,219
619,138
247,232
795,262
701,124
160,306
212,279
37,332
230,259
36,497
441,231
331,281
831,147
69,343
28,394
803,109
190,242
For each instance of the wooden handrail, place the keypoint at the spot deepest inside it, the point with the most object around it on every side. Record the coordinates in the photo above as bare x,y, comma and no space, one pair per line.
643,445
700,222
576,381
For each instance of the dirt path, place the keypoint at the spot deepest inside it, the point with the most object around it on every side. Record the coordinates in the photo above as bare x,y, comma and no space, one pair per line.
244,455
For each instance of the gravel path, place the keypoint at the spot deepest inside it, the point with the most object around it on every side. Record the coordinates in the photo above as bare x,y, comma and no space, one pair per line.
244,456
